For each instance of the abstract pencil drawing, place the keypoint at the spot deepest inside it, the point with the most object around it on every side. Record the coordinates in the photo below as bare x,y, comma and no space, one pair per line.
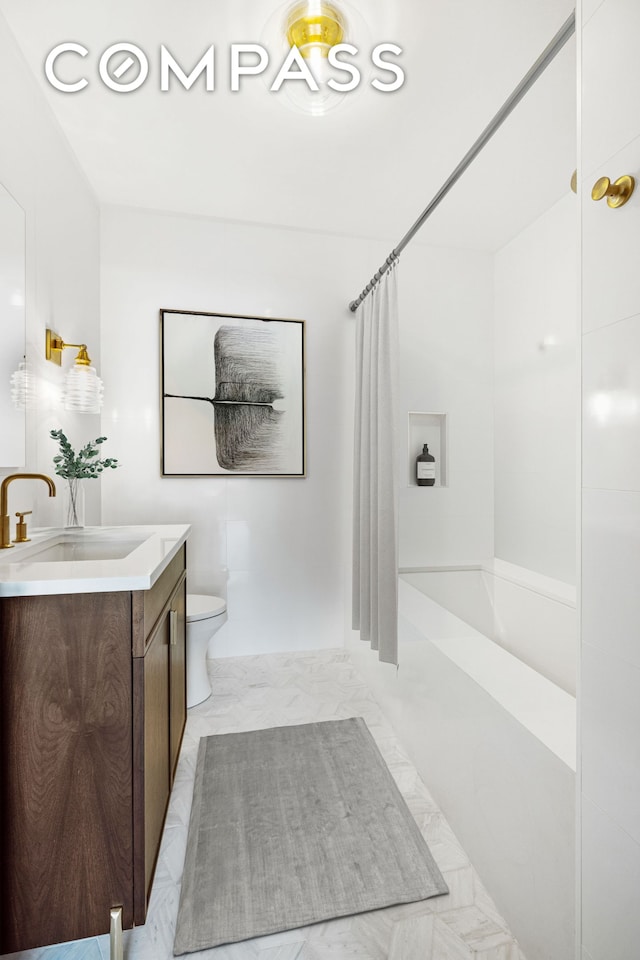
233,395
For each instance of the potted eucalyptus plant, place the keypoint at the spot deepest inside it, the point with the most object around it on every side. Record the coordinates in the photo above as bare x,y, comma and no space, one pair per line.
76,467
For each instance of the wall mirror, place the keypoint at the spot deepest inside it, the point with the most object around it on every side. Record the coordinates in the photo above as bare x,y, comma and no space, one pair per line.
12,325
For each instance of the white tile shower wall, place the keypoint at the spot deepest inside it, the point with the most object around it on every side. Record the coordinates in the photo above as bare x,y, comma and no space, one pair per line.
536,335
277,548
446,365
610,670
62,267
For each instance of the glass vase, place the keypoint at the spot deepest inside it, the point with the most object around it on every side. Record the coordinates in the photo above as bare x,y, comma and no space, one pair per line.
73,503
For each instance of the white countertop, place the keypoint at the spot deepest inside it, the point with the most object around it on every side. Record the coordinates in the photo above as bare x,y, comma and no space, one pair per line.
149,550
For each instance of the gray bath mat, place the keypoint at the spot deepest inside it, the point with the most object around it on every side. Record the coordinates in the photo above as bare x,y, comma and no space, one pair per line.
292,826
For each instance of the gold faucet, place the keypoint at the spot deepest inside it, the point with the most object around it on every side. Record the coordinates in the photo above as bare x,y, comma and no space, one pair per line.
4,509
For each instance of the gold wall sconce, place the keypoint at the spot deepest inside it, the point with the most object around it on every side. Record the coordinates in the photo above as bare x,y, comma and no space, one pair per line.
83,388
617,193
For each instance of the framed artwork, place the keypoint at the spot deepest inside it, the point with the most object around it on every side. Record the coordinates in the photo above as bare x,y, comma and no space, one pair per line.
232,395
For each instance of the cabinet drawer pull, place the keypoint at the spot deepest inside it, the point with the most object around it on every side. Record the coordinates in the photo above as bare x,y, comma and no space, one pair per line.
173,627
115,934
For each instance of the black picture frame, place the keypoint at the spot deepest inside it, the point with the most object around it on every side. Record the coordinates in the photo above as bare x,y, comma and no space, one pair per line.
232,395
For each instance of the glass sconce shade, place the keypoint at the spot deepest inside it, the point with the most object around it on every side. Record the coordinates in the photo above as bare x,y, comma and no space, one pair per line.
83,389
23,387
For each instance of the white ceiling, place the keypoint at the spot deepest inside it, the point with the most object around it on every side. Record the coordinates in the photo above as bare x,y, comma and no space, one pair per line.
366,169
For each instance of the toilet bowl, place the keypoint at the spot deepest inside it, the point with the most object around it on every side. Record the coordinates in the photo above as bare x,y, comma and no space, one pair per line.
205,616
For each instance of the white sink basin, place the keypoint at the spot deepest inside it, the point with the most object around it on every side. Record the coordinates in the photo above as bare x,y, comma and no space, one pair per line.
67,548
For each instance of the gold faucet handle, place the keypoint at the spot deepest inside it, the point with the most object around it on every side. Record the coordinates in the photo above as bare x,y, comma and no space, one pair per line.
21,527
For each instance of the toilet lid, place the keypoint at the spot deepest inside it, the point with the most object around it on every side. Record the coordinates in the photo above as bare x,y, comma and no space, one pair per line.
201,607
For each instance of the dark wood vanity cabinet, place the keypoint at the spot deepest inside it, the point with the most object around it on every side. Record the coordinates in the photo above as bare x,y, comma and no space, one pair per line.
92,711
159,678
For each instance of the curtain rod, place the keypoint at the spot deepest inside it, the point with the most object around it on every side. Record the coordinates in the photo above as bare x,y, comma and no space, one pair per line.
538,68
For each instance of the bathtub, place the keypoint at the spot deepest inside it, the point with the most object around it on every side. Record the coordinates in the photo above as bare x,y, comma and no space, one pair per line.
489,719
532,616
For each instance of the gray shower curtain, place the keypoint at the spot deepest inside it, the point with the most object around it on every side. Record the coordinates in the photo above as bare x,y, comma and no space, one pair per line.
375,507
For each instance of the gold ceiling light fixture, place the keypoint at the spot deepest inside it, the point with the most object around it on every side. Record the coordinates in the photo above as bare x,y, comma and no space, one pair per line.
314,27
83,388
311,36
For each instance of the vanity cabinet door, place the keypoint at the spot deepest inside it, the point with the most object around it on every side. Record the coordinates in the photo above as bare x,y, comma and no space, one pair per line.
156,745
159,682
177,673
65,767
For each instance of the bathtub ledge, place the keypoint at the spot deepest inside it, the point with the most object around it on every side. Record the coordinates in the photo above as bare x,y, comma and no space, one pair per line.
537,582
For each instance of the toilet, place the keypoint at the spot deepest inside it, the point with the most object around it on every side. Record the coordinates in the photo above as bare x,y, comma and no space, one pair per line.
205,616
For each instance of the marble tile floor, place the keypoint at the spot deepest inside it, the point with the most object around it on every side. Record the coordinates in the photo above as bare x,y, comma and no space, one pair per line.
276,689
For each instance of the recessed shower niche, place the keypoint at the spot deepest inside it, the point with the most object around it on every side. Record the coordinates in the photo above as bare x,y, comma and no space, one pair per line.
429,428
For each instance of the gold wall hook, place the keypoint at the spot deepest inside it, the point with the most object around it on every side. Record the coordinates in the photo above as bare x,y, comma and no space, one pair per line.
617,193
573,183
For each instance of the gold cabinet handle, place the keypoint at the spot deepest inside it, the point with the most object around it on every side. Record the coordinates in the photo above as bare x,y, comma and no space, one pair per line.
173,627
617,193
21,527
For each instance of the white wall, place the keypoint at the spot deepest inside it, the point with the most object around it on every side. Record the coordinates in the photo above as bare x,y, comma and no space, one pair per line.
446,366
285,543
610,670
536,364
62,268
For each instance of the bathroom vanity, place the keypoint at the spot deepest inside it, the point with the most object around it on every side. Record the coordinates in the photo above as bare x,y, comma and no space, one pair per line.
92,712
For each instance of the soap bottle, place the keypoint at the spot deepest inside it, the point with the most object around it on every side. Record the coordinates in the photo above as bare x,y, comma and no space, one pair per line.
425,468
